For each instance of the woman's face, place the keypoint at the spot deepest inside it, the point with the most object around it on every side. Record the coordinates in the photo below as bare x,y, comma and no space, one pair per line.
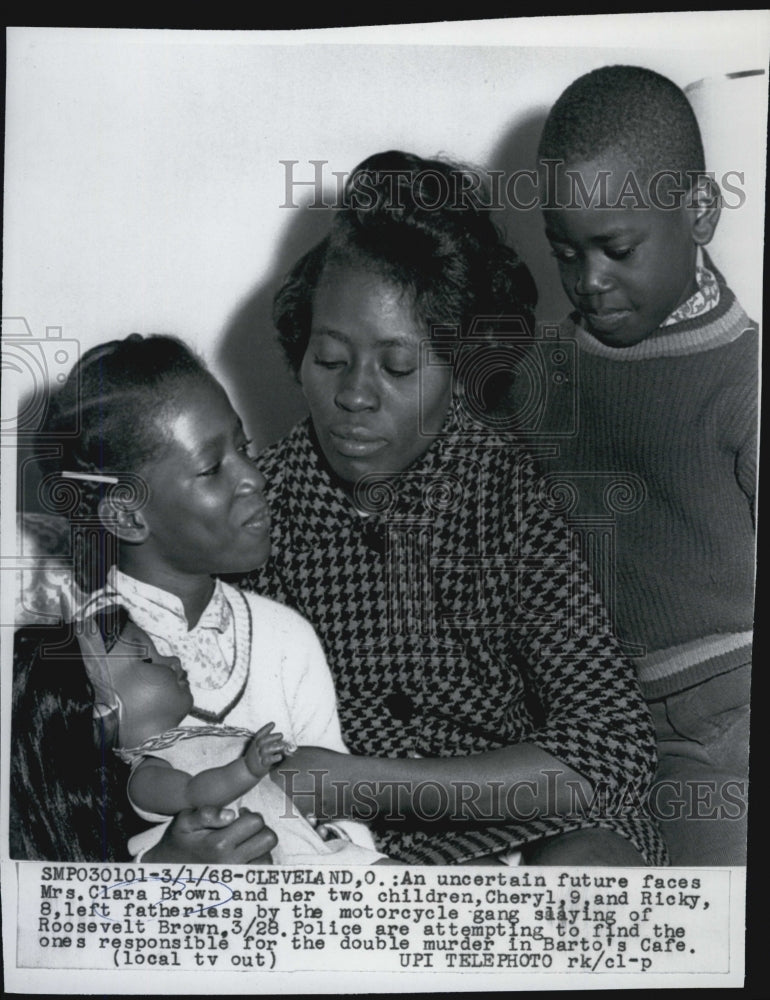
374,403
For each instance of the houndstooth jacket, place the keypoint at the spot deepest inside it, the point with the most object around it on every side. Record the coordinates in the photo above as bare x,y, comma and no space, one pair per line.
457,618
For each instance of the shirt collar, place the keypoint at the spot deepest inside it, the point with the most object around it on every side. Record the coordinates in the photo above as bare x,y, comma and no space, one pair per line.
701,301
155,603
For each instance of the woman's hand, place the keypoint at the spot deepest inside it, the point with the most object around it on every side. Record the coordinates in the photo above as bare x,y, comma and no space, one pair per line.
215,836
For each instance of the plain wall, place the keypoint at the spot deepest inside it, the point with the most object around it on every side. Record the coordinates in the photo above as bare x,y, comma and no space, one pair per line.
143,175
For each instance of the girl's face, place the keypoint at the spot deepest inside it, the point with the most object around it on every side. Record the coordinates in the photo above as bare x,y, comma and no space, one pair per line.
153,689
205,513
374,404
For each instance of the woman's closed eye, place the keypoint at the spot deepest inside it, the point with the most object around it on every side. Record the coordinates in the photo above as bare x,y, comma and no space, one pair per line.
399,371
330,363
395,368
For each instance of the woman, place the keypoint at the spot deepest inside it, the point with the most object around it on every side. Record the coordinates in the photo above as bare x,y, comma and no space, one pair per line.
410,529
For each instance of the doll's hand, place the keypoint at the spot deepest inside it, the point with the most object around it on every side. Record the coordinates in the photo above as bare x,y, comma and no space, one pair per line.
267,748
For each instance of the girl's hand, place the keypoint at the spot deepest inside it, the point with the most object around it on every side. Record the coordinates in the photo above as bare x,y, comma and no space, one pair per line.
215,836
267,748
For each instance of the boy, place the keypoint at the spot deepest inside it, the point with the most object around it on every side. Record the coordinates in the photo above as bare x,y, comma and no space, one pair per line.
666,390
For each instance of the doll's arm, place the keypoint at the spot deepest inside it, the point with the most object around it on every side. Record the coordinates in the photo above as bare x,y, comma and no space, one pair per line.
157,787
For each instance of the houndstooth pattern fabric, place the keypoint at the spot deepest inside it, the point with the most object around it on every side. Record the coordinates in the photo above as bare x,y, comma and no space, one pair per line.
456,618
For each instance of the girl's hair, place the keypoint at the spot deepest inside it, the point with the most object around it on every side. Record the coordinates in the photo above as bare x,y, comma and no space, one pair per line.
423,226
108,420
68,794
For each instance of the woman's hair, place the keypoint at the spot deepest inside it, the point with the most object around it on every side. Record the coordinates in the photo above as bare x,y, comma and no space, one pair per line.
421,225
68,791
108,419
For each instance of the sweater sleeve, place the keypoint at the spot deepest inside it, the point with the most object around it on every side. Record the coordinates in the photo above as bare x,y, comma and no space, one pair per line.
736,412
594,718
744,417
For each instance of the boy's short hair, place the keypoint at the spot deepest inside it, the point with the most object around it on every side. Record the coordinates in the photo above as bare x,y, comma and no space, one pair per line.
629,111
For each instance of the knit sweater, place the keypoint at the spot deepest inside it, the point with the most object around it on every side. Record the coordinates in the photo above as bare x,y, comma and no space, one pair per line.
672,422
455,619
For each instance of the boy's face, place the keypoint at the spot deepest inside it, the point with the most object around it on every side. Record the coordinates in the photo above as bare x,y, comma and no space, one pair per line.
625,269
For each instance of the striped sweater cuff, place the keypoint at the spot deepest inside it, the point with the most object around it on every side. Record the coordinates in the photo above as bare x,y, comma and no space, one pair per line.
666,671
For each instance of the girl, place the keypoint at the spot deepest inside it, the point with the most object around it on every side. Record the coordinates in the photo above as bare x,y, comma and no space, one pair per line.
162,483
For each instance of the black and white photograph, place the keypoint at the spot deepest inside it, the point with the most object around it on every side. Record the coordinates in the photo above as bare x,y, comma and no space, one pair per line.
380,408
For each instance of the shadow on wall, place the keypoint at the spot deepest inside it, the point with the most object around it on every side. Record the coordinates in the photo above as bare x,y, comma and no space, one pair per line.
263,388
517,151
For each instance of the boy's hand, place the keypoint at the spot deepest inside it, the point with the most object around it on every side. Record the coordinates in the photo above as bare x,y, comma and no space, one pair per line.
267,748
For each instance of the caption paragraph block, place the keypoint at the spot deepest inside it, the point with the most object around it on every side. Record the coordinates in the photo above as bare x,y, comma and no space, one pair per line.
196,918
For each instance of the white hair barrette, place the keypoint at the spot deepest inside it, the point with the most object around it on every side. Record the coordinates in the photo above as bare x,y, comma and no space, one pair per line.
92,477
